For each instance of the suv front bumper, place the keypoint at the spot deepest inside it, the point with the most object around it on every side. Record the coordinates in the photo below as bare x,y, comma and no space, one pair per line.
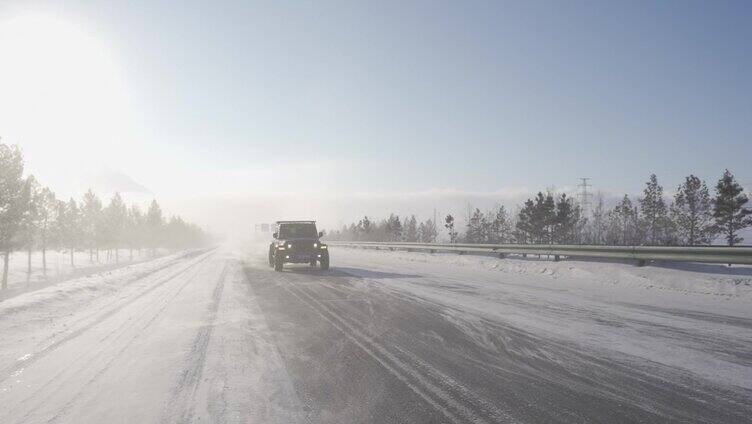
301,257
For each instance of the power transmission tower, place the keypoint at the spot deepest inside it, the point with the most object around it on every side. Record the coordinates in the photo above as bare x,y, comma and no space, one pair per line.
584,196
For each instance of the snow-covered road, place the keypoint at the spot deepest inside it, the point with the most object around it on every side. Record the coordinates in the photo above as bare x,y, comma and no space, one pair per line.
217,336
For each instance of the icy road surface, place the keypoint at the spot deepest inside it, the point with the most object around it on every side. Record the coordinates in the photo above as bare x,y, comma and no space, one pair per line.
217,336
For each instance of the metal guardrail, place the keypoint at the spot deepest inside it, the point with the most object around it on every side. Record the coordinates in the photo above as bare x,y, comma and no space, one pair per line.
707,254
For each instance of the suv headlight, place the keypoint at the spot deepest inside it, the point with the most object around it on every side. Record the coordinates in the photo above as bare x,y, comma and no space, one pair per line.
289,245
323,246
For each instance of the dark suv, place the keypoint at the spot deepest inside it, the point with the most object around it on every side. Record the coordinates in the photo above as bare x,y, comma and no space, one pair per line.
297,242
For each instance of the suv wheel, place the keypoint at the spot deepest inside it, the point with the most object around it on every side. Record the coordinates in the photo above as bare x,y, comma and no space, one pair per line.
324,261
278,262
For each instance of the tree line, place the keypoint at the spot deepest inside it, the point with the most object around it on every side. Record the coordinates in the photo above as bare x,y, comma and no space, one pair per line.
390,229
33,218
691,218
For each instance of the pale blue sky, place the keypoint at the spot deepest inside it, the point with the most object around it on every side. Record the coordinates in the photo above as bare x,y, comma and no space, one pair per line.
413,96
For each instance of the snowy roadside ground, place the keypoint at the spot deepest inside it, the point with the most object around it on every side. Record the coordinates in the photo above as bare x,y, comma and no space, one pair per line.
59,267
32,319
692,318
177,339
687,278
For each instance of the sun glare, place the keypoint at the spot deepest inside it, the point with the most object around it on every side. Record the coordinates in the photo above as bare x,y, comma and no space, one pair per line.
62,93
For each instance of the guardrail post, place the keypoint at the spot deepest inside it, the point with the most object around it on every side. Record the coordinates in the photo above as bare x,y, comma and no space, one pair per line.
556,258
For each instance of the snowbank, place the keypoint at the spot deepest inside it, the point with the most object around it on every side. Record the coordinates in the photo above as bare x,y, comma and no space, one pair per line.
59,267
91,285
708,279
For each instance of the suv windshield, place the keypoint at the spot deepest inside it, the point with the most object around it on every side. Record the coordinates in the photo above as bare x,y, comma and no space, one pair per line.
297,231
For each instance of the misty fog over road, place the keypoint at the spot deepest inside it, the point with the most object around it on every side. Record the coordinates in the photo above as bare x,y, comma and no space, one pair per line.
217,336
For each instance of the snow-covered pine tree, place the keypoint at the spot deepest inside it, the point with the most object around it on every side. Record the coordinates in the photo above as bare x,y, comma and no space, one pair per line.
486,226
525,231
393,228
154,226
116,216
728,209
597,227
449,225
654,214
28,232
12,203
593,230
475,231
622,224
91,216
135,232
411,229
500,226
566,220
70,228
364,229
47,210
57,236
548,213
543,218
427,232
692,213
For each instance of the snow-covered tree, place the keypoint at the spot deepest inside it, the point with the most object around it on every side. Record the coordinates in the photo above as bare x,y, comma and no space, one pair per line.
567,220
692,212
623,224
449,225
596,228
393,228
47,212
70,227
364,229
427,232
135,231
32,218
524,227
656,225
501,227
91,218
12,203
28,232
537,218
411,229
154,225
477,227
547,218
728,209
116,216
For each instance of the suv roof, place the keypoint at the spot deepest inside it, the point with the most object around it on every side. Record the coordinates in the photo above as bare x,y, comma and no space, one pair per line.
295,222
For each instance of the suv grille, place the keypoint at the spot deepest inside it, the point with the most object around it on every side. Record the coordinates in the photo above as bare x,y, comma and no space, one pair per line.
302,247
